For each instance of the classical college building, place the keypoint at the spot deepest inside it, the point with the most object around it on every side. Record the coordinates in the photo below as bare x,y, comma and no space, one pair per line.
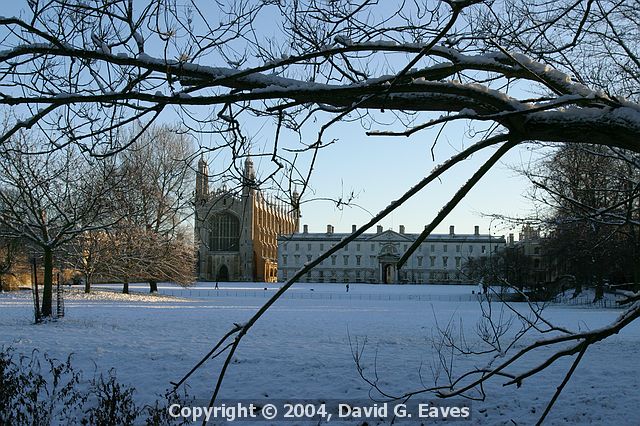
244,236
373,257
237,234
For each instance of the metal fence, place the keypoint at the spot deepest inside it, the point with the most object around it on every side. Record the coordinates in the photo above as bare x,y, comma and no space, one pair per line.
609,302
212,293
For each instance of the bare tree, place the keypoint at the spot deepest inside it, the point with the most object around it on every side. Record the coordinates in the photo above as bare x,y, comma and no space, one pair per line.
91,254
589,196
152,202
160,176
158,199
49,198
130,253
81,71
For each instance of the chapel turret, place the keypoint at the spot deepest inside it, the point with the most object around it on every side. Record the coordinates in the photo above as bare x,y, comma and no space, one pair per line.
202,180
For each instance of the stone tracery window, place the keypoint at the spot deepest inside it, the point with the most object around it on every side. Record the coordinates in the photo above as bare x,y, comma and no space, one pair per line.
224,232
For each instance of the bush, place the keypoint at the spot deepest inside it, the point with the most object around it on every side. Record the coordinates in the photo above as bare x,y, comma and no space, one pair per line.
114,405
30,396
27,397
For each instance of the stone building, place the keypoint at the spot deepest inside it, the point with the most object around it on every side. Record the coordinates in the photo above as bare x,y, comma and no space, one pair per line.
525,261
373,257
237,233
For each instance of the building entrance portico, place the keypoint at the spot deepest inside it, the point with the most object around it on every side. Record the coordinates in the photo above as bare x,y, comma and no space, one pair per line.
388,260
389,273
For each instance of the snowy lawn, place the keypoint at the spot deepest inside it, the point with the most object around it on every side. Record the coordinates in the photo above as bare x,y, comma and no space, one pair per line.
300,349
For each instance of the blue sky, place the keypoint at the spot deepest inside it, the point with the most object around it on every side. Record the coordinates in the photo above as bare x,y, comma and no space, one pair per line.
380,169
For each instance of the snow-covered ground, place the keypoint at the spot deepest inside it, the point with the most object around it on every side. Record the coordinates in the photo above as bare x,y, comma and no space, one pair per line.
300,349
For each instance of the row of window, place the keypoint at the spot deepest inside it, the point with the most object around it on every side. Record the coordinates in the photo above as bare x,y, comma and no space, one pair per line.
359,276
358,246
373,260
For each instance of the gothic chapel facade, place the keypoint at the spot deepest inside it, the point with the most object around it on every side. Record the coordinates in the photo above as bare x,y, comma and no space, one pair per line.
237,234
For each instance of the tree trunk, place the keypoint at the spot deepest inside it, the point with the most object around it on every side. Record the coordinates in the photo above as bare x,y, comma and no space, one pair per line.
153,286
599,287
47,294
579,279
125,287
578,289
599,292
87,284
636,267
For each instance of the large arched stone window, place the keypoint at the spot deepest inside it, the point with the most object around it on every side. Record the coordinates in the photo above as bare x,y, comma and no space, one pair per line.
224,232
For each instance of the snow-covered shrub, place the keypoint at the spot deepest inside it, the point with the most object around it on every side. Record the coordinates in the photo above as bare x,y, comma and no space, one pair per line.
114,403
27,396
54,393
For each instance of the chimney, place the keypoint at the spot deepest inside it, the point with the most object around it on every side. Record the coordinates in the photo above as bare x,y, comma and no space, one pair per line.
451,230
329,229
476,230
353,228
511,239
402,229
305,229
379,229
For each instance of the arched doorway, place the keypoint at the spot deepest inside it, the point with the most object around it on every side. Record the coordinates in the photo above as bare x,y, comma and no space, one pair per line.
389,273
388,258
223,273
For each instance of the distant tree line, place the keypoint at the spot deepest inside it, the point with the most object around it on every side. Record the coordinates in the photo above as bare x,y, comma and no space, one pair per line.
589,199
592,195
